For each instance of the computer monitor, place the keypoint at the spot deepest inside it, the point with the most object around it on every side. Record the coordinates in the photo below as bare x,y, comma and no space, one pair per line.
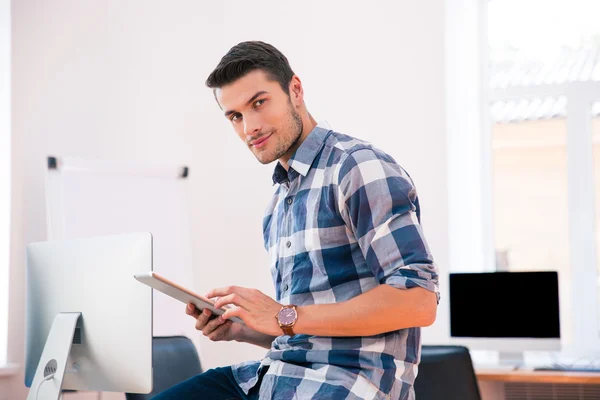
84,303
510,312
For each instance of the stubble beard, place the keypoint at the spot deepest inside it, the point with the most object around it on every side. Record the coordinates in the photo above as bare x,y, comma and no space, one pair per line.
295,127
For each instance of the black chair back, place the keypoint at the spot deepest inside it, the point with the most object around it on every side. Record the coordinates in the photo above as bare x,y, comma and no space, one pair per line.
174,359
446,373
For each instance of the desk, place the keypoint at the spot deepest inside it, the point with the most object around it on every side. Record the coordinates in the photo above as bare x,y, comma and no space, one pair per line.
529,376
492,381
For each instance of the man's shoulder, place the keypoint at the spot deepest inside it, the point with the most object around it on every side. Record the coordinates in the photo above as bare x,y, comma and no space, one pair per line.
350,147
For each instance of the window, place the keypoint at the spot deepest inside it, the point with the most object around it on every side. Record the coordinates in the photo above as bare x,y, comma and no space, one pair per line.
529,185
544,78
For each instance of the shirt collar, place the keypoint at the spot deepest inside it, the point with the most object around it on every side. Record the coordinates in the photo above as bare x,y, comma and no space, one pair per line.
304,156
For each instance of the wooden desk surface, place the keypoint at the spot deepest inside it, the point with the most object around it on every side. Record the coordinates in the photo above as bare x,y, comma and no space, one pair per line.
529,376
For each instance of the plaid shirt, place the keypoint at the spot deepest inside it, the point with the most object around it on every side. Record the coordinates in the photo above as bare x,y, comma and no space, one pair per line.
344,219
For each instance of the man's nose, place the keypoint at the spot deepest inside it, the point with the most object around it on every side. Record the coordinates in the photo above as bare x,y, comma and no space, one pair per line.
251,127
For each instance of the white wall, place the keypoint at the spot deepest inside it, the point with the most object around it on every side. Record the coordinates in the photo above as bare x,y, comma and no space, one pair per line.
125,80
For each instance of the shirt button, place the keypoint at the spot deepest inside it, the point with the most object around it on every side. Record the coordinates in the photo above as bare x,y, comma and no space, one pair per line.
288,244
286,287
290,200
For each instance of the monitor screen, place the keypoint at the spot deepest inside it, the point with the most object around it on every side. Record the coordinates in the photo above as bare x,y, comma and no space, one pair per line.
111,345
504,305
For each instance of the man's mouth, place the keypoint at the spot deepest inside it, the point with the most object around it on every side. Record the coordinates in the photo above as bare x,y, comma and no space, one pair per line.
260,142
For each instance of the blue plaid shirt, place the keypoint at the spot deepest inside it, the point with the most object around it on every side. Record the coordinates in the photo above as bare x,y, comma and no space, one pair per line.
344,219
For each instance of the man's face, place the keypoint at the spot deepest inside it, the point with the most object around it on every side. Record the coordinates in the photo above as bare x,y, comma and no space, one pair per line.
262,115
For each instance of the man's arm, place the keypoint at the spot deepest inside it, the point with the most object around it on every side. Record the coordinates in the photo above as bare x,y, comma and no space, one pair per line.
382,309
378,201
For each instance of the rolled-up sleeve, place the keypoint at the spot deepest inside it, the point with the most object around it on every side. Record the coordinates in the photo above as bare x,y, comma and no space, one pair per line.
378,201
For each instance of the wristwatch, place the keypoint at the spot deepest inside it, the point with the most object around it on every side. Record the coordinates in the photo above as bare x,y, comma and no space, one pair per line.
287,317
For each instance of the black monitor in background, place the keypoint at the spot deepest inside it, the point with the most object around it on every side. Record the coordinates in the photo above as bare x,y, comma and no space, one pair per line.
510,312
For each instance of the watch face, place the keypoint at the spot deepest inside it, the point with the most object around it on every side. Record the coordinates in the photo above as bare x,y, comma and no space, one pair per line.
287,316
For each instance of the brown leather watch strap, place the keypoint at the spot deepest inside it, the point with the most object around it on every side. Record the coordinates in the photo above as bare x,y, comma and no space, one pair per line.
288,330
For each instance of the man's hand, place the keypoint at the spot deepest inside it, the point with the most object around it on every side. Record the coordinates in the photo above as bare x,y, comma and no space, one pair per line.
215,329
255,308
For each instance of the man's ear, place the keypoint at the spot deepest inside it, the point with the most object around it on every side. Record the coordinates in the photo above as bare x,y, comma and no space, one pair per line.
296,91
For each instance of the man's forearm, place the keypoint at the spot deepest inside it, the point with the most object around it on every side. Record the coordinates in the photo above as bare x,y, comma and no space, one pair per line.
256,338
382,309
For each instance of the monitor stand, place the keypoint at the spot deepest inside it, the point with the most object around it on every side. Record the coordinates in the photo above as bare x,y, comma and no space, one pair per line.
511,359
53,361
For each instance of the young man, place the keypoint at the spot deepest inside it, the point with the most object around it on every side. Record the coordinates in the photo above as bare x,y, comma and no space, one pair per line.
354,277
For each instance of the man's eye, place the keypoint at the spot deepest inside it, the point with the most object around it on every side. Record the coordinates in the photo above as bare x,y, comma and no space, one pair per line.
258,103
235,117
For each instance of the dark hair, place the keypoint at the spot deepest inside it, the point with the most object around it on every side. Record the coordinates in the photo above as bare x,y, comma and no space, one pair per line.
249,56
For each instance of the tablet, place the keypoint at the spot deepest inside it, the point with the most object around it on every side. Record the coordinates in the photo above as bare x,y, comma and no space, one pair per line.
182,294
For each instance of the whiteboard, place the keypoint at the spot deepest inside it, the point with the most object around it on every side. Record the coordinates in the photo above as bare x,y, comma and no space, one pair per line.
102,197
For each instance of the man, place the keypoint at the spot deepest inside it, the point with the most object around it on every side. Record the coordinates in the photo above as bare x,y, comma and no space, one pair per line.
353,275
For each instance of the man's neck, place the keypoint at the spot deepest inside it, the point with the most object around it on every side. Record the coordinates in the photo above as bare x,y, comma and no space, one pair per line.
308,124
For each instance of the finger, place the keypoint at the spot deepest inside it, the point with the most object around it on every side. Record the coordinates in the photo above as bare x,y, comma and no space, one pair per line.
235,312
220,332
233,298
203,319
211,325
191,309
224,291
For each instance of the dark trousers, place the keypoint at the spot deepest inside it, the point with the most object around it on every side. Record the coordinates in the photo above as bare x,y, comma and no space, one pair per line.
214,384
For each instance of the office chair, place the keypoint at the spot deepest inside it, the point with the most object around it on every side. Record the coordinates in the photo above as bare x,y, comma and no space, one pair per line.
174,359
446,373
